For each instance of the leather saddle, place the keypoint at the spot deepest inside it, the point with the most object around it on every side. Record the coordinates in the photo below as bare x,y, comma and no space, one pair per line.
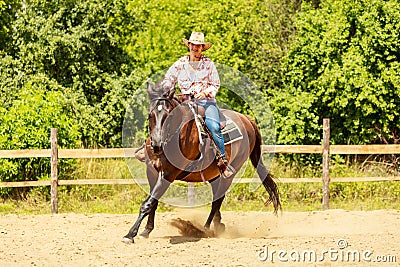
200,110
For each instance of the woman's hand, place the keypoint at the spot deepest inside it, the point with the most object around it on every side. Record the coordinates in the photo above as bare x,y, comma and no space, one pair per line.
200,95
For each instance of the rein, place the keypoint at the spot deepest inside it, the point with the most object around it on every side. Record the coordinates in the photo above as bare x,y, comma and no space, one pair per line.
193,109
169,100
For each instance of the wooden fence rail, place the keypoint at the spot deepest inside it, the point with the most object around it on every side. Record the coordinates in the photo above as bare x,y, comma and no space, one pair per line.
143,181
128,152
325,149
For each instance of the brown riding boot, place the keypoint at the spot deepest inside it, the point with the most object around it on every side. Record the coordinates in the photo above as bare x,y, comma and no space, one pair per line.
226,170
140,154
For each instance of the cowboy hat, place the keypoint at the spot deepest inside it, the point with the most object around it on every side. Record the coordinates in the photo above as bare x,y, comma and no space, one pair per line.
197,38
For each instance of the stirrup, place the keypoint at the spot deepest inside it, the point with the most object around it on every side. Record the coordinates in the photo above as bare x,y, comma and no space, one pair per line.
225,168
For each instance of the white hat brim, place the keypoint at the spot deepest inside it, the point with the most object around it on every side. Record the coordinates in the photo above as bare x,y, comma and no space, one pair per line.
206,45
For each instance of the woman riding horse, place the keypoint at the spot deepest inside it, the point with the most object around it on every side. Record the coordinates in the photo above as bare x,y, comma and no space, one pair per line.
173,144
197,75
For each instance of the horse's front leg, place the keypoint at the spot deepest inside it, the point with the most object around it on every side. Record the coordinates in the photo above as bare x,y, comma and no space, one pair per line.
150,222
147,206
152,176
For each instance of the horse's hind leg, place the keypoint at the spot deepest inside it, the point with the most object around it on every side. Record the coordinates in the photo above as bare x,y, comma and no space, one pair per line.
215,215
219,187
218,225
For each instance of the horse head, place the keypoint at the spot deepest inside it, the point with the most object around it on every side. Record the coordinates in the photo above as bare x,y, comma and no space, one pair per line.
162,102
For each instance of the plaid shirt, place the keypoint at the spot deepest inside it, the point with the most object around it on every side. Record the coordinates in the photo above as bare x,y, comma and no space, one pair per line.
205,79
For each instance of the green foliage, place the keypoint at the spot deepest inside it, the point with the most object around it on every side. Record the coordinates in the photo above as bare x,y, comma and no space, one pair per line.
7,16
334,59
61,67
36,109
101,50
268,36
343,65
10,79
250,36
75,44
26,123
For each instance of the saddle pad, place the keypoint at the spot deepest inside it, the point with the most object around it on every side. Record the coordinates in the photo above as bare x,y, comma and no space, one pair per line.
231,132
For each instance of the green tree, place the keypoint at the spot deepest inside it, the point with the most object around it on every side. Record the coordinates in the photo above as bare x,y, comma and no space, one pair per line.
249,36
343,65
75,44
8,10
61,66
26,123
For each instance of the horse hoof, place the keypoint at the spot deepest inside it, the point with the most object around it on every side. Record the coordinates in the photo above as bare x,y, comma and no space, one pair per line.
128,240
144,235
219,228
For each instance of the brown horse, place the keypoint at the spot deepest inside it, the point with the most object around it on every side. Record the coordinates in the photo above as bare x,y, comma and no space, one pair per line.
174,152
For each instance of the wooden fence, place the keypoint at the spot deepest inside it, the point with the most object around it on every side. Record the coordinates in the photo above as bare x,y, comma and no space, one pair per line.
325,149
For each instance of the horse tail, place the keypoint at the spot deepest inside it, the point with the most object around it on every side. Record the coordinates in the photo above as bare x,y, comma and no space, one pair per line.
265,176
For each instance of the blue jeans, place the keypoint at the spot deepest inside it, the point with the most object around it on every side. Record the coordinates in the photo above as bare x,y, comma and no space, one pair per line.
213,123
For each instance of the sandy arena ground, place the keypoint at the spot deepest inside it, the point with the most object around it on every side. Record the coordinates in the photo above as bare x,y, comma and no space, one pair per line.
337,237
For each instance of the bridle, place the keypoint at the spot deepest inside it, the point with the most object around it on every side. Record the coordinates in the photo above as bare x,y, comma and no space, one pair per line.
159,99
169,101
172,105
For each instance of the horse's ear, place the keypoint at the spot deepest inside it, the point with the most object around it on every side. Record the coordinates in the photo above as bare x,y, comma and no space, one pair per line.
150,90
171,93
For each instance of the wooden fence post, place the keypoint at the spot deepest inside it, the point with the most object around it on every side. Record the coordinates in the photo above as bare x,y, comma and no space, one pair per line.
191,194
325,164
54,171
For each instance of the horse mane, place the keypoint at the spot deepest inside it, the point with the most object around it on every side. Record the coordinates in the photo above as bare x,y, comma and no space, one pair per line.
157,90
